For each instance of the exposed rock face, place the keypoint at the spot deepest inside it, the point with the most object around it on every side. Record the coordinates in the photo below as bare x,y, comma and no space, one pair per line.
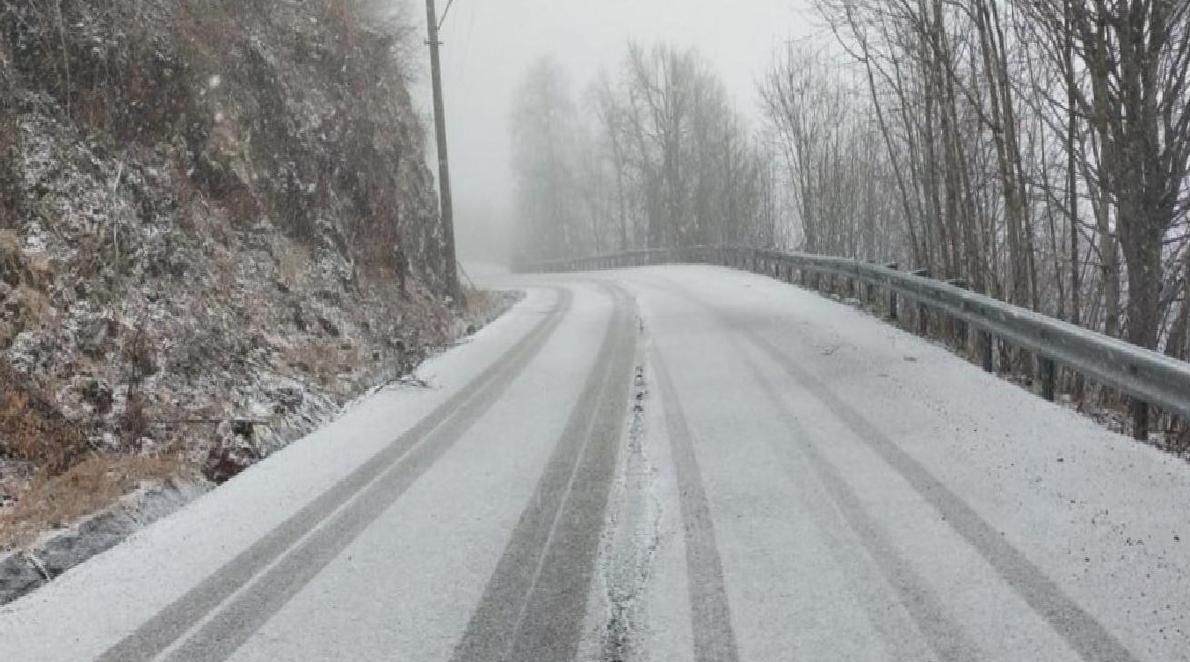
291,110
200,204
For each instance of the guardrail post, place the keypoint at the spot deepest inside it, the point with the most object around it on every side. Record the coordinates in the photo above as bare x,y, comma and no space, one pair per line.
1047,373
892,294
987,348
1140,420
958,327
923,314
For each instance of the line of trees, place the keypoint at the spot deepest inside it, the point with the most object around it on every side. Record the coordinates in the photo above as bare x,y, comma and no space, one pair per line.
1037,149
658,156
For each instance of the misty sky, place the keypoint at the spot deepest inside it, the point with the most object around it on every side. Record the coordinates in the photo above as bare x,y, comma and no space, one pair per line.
489,44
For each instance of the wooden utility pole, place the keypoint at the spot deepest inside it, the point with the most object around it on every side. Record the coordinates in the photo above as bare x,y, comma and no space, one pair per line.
448,226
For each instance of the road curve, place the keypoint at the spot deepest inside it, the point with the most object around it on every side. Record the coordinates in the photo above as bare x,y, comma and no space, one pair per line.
678,463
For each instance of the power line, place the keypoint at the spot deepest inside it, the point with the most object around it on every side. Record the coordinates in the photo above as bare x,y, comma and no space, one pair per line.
442,21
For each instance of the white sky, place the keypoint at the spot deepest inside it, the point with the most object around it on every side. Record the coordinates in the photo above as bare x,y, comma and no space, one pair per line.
490,43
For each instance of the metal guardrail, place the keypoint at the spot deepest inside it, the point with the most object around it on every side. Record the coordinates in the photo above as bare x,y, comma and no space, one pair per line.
1146,375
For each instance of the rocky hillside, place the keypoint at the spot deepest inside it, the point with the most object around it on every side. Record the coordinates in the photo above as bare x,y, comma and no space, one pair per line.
200,207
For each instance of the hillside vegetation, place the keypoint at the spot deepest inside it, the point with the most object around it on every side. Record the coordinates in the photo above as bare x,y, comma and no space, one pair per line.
202,205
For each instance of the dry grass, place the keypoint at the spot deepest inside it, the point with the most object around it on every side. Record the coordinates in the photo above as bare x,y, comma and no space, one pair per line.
481,304
292,260
324,360
10,252
32,429
34,304
96,483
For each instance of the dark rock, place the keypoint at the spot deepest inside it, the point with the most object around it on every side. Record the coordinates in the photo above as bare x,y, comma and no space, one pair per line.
18,577
299,319
94,337
330,296
329,327
226,462
143,358
98,393
21,574
244,429
288,400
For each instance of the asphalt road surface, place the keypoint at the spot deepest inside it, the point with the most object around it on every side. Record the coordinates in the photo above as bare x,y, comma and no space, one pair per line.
680,463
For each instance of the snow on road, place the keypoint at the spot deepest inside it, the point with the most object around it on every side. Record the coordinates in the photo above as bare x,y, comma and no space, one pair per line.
679,463
912,506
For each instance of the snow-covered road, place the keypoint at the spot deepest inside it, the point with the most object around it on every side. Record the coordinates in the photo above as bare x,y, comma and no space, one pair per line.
678,463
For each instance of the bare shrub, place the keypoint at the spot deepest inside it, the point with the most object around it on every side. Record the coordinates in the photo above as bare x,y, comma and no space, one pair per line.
33,430
324,360
51,501
141,363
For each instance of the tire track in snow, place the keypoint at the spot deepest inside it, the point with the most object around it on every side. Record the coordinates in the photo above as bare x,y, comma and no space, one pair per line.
1081,631
710,612
1087,636
535,602
211,620
944,636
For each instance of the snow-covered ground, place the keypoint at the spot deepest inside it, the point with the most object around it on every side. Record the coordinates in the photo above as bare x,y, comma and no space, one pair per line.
794,480
875,497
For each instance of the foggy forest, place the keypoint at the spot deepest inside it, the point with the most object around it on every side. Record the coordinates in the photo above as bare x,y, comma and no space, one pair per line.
1037,150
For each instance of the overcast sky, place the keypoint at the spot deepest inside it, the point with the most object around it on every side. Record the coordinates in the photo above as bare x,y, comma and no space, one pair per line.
490,43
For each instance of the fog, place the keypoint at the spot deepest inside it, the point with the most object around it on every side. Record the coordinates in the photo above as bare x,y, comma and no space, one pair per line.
488,46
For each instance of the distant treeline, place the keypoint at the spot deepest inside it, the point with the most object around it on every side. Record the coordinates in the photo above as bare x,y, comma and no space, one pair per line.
1038,150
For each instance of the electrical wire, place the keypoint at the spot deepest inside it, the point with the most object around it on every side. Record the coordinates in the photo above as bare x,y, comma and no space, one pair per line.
446,11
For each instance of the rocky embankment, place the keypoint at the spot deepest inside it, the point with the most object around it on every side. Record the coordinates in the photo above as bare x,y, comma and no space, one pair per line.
201,204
